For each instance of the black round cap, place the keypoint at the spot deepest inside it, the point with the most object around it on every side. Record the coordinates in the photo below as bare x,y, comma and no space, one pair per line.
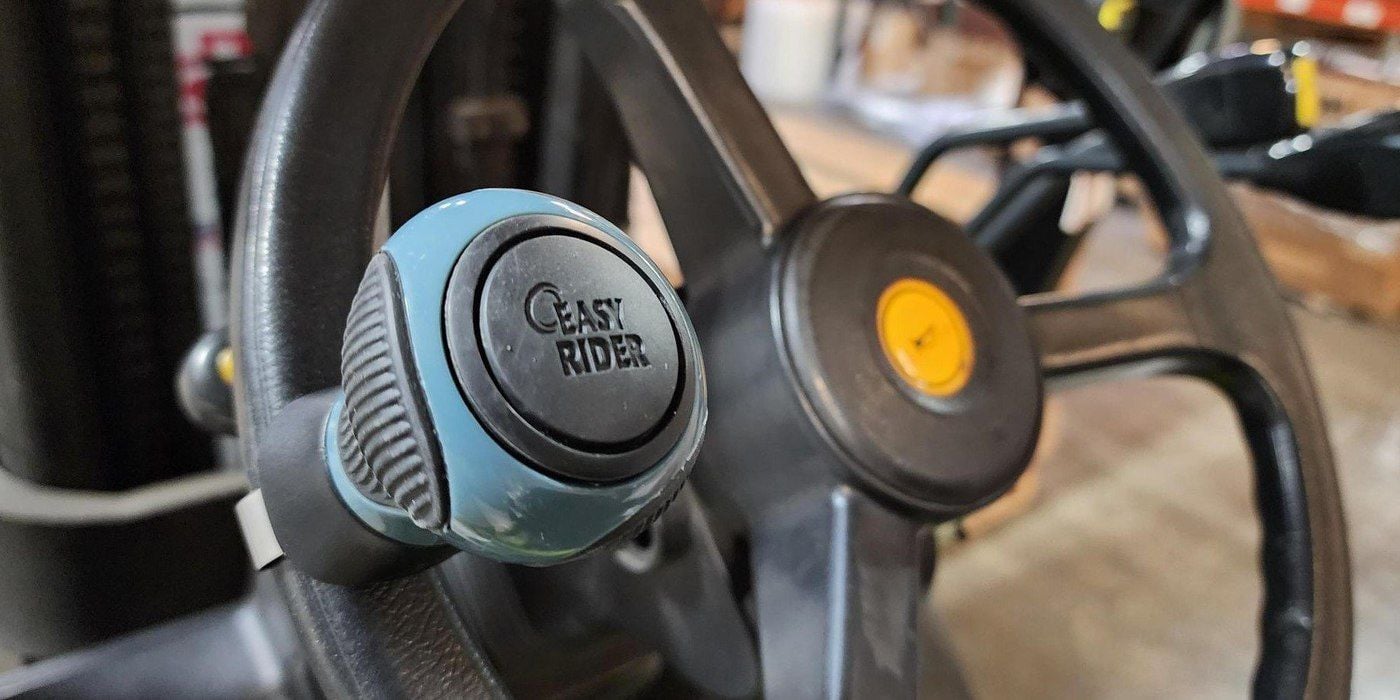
938,456
570,348
578,341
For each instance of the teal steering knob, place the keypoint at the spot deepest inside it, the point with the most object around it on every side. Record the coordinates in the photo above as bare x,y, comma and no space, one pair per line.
518,381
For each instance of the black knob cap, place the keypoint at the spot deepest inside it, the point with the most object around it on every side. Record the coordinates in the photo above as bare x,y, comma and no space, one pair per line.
578,342
568,349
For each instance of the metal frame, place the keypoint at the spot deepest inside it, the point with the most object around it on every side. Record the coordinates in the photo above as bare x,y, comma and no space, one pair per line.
23,501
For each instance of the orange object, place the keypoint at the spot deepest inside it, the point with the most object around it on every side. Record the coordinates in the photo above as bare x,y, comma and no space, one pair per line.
1373,15
925,337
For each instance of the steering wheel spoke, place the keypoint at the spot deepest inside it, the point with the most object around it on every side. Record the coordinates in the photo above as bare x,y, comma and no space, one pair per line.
838,580
723,179
1144,331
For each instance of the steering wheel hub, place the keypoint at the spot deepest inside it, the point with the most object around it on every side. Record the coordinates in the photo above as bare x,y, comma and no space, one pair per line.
909,346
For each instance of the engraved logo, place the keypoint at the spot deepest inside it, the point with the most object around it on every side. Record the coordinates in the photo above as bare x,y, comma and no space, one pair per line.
592,335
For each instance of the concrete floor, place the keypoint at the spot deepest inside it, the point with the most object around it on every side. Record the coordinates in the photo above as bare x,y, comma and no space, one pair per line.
1135,574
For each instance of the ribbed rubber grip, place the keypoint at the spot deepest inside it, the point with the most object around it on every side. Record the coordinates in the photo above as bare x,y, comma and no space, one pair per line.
352,459
386,440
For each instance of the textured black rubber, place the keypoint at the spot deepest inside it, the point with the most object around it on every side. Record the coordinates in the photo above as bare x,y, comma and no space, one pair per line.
386,438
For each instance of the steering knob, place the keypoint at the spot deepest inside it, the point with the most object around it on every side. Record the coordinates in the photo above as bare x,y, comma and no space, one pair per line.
518,381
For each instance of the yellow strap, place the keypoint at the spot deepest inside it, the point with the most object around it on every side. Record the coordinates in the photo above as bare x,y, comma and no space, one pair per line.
1307,100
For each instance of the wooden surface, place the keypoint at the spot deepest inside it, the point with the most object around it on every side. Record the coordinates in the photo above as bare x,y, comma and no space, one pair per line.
1347,261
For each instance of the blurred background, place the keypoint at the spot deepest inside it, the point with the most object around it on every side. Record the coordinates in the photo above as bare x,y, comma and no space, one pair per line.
1125,563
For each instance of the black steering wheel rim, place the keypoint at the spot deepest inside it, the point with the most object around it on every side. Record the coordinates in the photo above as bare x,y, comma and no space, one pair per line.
318,164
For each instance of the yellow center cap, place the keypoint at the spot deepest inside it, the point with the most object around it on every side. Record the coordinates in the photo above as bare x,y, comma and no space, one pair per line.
925,337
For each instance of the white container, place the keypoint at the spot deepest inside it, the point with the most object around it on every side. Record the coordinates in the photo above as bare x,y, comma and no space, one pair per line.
788,48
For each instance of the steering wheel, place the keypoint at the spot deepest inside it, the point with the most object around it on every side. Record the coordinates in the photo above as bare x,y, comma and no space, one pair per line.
869,371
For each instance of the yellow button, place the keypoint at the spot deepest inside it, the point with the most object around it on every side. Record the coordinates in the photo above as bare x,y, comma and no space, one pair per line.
925,337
